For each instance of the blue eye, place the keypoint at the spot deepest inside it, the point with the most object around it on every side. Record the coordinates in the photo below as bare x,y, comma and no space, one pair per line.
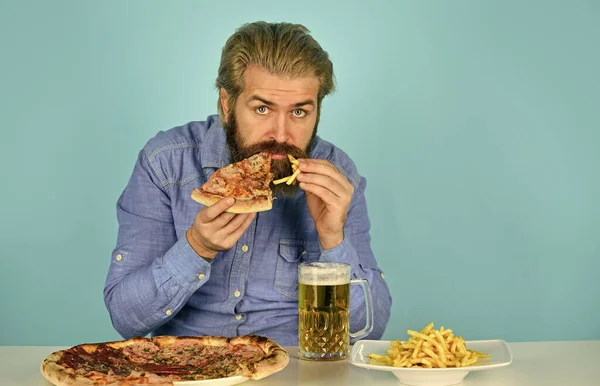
299,113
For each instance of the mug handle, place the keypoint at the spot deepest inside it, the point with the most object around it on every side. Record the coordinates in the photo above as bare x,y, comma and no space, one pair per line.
369,310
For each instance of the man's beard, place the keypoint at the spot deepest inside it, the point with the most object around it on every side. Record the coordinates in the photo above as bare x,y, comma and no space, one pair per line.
279,168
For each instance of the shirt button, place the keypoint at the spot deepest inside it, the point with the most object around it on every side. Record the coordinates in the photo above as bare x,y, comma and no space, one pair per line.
118,257
238,317
201,276
237,294
169,312
244,248
382,276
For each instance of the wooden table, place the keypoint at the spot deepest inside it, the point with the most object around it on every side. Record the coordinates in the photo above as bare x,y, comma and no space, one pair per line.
544,364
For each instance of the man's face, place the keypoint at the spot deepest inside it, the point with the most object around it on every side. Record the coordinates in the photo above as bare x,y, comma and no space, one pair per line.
273,114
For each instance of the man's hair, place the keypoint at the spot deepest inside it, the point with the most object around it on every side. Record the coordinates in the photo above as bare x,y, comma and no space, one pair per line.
283,49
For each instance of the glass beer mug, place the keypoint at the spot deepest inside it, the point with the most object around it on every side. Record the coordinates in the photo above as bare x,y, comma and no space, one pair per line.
323,310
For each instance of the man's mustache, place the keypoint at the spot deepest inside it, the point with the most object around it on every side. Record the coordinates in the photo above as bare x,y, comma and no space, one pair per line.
273,147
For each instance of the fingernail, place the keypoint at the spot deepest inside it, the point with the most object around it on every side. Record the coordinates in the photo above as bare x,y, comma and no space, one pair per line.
230,201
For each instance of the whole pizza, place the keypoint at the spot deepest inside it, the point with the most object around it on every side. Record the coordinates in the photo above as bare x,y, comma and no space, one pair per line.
163,360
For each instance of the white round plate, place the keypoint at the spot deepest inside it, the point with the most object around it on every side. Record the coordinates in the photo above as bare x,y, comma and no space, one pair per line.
213,382
501,356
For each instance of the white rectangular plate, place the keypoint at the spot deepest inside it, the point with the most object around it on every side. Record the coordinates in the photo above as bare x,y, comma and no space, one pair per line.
501,356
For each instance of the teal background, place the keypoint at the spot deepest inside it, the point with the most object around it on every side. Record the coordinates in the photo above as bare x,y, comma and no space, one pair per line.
476,124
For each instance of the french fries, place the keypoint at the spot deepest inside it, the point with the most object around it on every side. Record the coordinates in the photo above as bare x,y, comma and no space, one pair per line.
429,348
290,179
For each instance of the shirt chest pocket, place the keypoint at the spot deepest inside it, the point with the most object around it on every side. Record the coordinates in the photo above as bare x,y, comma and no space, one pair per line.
292,252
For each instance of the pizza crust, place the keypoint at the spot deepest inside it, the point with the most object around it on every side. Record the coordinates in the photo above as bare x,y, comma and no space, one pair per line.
168,340
59,375
276,358
242,205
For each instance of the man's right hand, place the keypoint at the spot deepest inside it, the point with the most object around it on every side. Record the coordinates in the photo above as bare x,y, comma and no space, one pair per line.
215,230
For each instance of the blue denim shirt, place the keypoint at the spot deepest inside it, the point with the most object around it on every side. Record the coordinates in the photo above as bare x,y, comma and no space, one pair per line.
158,285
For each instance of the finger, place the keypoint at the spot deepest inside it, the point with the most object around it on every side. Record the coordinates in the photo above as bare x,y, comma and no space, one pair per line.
314,160
234,224
234,235
324,167
324,181
324,194
237,222
210,213
237,233
221,220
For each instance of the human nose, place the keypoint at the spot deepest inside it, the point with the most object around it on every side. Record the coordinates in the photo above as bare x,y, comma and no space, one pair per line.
281,128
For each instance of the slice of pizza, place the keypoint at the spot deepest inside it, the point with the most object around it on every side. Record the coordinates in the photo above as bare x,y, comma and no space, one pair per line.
247,181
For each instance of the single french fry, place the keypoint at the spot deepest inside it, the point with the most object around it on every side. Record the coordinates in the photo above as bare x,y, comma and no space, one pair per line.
292,159
430,353
442,341
281,180
293,177
416,350
427,328
438,363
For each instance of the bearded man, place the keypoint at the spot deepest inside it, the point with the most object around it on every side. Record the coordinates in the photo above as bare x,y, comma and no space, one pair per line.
179,268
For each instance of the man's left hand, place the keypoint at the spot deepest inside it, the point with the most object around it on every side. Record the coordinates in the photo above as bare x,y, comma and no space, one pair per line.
328,196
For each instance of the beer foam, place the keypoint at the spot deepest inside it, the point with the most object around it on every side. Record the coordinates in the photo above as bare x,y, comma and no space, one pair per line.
324,273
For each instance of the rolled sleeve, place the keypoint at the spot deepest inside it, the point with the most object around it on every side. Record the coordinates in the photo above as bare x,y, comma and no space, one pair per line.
343,253
184,265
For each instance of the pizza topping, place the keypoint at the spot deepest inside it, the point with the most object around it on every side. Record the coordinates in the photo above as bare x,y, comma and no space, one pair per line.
248,352
141,352
167,369
99,377
215,184
103,359
186,359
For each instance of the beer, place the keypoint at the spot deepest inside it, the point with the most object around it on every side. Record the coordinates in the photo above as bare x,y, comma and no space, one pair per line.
323,307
